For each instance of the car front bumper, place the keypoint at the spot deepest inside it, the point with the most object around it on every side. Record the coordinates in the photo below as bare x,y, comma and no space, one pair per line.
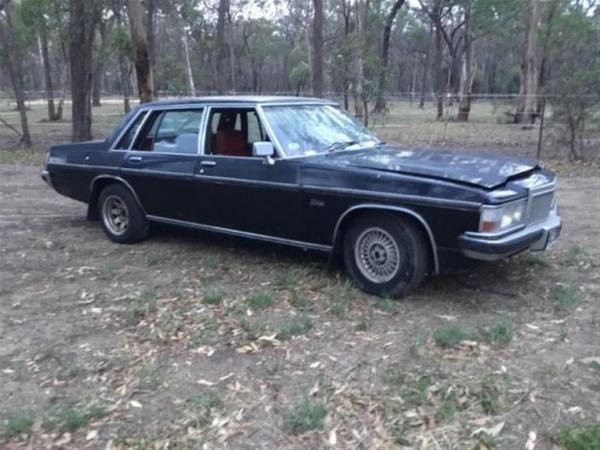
46,177
534,237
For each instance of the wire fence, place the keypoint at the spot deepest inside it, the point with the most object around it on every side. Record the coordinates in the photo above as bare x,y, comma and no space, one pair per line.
408,118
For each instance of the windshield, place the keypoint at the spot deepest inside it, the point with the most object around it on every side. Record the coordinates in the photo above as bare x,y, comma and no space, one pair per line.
304,130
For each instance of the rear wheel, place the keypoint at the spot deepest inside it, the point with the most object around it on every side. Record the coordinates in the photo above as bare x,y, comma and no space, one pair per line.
122,219
385,255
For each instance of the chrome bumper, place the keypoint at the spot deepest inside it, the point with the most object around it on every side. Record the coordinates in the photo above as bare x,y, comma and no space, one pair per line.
535,237
46,177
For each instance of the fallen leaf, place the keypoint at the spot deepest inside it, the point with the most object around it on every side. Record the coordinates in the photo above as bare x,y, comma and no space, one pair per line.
492,431
93,434
332,439
530,444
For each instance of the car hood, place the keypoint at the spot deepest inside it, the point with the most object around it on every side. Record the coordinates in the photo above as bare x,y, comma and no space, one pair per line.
486,171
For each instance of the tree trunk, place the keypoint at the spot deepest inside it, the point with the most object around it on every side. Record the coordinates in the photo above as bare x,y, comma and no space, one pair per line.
150,38
468,70
188,65
385,51
143,63
439,72
526,107
43,36
83,17
317,54
222,79
14,59
97,89
123,72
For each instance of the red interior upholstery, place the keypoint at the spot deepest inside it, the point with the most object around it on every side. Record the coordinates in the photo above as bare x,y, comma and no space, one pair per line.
231,143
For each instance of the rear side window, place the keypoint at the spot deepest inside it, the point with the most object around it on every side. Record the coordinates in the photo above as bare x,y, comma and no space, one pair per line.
128,137
171,132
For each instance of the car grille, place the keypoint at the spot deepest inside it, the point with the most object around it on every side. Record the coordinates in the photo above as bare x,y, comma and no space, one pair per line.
540,206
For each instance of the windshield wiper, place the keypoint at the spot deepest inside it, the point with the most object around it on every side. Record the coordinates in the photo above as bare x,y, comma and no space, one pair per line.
340,145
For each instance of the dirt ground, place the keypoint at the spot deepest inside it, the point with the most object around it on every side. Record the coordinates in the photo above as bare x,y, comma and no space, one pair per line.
191,340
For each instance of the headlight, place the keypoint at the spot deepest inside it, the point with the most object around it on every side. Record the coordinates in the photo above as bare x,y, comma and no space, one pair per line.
499,218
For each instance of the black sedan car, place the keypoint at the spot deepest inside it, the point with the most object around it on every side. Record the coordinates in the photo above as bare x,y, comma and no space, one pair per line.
302,172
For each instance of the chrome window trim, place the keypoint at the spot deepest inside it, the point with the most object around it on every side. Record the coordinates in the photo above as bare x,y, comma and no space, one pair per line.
239,233
418,217
148,112
125,129
275,138
264,123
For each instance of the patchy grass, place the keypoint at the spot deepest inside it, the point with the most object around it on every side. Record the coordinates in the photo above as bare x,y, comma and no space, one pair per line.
149,377
584,438
295,326
498,333
143,304
16,424
489,397
450,336
448,407
289,279
579,256
68,418
260,300
363,324
299,301
338,309
212,297
565,298
199,408
306,415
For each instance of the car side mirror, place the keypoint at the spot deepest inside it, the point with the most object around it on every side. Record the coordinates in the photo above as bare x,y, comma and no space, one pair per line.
264,150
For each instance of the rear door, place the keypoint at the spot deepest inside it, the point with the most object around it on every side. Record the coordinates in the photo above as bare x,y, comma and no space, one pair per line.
161,160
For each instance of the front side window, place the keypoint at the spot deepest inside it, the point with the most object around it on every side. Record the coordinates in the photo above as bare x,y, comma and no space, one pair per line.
304,130
233,131
174,131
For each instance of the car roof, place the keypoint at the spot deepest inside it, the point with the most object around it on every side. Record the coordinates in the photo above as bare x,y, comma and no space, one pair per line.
225,99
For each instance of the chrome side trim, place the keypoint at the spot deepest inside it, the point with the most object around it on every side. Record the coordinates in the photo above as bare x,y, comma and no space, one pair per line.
245,234
145,171
245,181
120,180
83,166
416,199
418,217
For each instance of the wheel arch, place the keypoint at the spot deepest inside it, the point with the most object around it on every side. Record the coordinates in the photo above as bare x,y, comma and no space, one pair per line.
97,185
351,213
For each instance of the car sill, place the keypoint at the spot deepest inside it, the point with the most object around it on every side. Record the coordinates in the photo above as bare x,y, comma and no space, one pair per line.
245,234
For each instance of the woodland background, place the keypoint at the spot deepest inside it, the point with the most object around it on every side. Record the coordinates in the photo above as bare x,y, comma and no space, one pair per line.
518,56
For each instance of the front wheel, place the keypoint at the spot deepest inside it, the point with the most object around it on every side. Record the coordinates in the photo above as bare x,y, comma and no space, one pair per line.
122,219
385,255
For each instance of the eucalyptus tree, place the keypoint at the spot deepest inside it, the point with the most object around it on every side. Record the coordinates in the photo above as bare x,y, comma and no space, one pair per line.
143,61
12,56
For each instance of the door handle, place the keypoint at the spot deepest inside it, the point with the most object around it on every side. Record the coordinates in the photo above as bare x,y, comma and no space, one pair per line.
208,163
134,158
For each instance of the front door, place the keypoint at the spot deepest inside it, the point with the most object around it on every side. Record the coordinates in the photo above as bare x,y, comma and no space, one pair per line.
238,191
161,161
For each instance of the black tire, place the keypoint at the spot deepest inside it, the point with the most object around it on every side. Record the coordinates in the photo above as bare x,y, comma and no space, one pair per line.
116,197
385,254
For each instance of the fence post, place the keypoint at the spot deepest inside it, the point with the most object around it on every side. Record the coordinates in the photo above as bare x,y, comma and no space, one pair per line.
541,131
